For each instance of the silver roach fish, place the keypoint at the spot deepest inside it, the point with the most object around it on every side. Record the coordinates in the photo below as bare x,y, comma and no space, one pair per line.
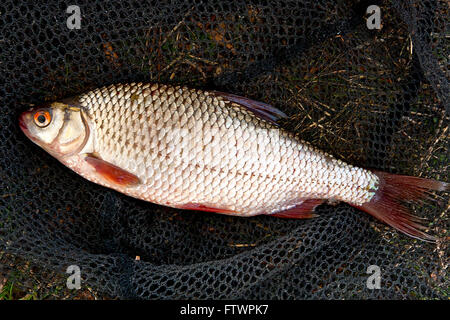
211,151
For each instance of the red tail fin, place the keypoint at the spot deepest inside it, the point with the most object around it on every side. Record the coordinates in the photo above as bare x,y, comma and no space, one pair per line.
394,189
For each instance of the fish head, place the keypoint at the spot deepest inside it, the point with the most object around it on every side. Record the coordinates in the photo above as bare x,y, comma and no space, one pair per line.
59,128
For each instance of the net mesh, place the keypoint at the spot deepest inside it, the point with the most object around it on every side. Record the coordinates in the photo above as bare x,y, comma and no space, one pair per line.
374,98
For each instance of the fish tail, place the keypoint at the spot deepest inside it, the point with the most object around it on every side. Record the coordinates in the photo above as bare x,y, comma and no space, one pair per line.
394,191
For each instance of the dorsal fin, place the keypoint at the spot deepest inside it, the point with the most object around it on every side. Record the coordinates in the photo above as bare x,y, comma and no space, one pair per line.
261,109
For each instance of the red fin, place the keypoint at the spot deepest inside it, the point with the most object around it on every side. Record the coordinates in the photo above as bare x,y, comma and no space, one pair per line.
261,109
201,207
112,173
303,210
394,189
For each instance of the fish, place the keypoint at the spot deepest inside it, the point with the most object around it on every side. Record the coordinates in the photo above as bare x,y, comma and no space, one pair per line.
213,151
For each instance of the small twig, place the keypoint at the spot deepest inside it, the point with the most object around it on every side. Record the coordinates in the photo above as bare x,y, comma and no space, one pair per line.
202,60
195,67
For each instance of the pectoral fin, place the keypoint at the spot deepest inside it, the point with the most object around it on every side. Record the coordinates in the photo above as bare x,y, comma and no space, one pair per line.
111,173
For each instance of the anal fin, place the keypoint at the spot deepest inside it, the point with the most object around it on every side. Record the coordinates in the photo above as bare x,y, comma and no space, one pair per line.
304,210
260,109
112,173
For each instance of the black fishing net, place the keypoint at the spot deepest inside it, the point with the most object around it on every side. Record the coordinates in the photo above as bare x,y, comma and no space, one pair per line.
376,98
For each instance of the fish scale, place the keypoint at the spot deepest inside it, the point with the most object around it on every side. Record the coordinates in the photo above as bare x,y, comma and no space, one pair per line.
191,146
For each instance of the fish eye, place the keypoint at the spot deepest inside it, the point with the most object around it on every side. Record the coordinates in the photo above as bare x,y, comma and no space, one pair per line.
42,118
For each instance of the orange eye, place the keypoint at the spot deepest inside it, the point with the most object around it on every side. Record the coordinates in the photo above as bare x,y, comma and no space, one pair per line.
42,118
